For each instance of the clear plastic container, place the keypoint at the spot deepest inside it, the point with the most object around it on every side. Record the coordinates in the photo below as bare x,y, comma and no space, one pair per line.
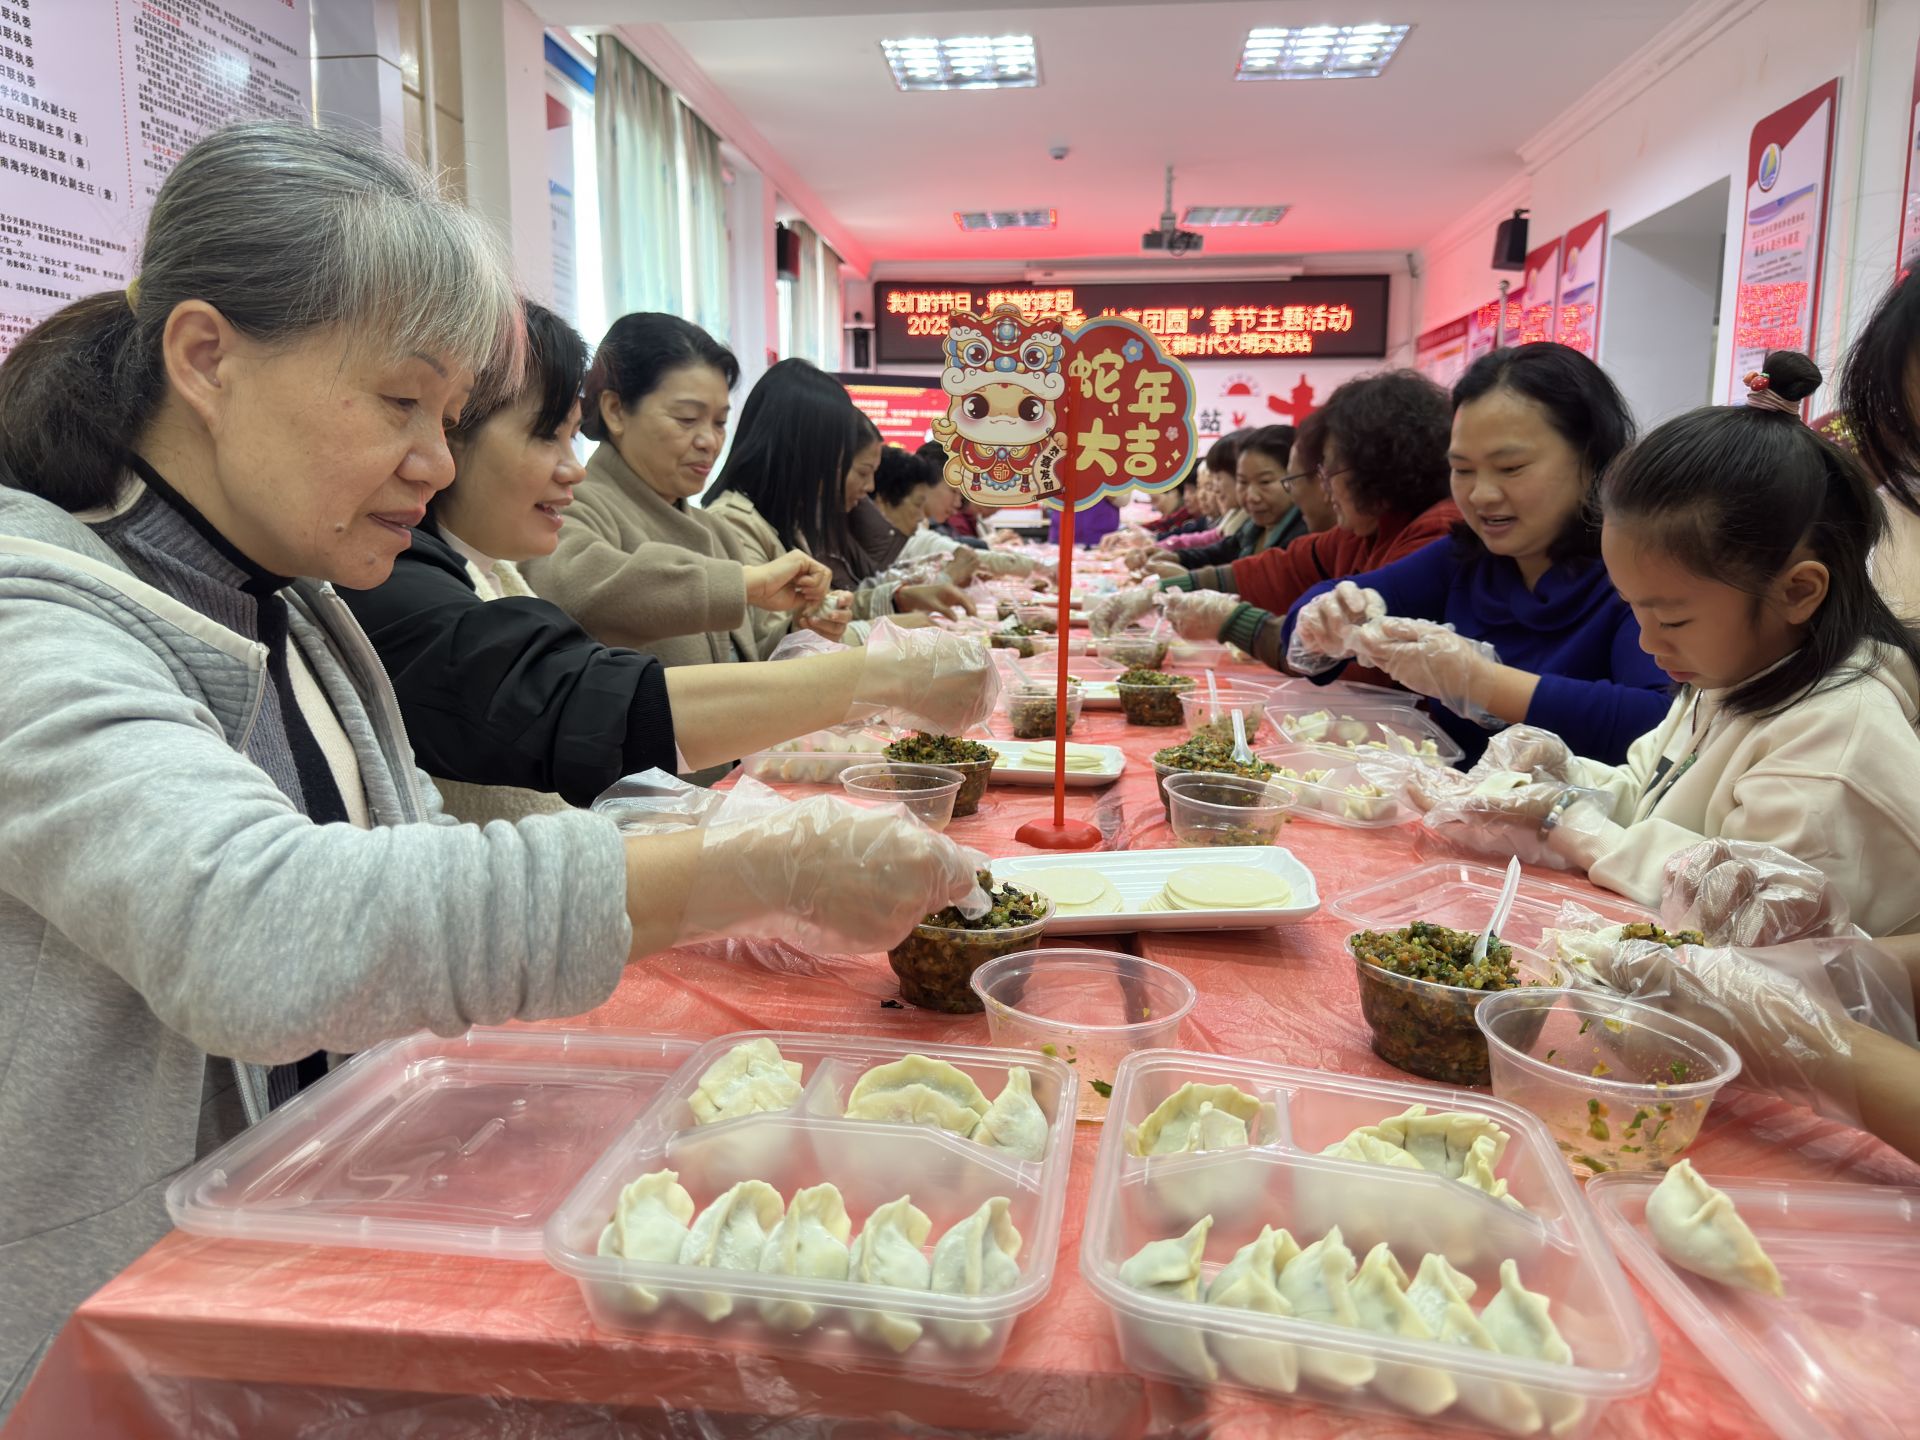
1834,1360
1389,729
1135,652
1195,654
1281,1179
1428,1029
1462,896
927,791
1039,617
936,962
1621,1085
1031,710
1343,795
1164,772
872,1163
1090,1008
1197,711
1025,646
1224,809
1153,704
974,775
453,1146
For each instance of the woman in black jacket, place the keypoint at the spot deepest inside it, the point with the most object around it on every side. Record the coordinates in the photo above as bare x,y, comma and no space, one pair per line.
510,705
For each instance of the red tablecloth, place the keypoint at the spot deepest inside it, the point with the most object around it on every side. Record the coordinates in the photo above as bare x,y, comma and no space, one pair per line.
204,1337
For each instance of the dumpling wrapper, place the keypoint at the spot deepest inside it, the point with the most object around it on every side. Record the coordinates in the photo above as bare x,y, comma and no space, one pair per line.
1081,759
1195,1117
1226,887
1380,1300
887,1254
1442,1142
1171,1270
1440,1293
1251,1281
1015,1122
1699,1228
810,1242
751,1078
1076,890
915,1090
1517,1320
978,1256
730,1234
1317,1283
649,1224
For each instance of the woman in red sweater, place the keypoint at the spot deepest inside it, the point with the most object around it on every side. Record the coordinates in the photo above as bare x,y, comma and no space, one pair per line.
1379,445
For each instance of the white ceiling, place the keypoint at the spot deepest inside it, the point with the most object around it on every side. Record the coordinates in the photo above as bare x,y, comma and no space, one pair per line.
1367,165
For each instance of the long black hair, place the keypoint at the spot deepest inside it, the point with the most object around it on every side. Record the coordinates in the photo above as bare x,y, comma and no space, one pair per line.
901,472
797,437
1876,395
556,366
637,354
1392,431
1273,441
1584,407
1734,493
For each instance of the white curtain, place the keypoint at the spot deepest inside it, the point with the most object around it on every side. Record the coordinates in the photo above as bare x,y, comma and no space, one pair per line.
637,132
817,307
705,257
833,310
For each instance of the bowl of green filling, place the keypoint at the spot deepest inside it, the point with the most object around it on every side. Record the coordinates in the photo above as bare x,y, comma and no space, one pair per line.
1419,988
1151,697
973,760
936,962
1622,1085
1203,754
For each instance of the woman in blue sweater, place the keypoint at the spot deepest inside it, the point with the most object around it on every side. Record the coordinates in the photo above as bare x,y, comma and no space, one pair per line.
1514,618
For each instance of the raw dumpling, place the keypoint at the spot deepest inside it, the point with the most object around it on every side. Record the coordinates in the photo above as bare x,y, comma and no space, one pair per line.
1171,1270
1441,1143
749,1078
811,1242
649,1223
1316,1283
1699,1229
918,1091
888,1253
1195,1117
1251,1281
1478,1174
979,1256
1440,1293
1015,1122
1517,1320
730,1234
1380,1300
1364,1145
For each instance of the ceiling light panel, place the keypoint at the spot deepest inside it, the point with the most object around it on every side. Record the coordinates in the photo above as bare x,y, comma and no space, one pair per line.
966,62
1006,219
1223,215
1319,52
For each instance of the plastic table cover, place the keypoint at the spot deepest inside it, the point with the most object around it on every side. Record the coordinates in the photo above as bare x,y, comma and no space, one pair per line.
214,1338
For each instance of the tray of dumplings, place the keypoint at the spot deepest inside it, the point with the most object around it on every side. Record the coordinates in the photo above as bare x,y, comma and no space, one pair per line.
859,1202
1372,1245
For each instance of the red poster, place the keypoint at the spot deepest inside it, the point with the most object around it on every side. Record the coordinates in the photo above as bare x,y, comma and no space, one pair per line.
1783,247
1539,294
1910,203
903,413
1441,353
1483,328
1583,268
1131,413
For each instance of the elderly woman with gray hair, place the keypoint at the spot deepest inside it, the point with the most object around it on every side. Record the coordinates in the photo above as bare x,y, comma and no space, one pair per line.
214,841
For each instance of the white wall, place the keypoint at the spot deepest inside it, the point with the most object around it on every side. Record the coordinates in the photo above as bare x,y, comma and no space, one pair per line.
1663,290
1689,127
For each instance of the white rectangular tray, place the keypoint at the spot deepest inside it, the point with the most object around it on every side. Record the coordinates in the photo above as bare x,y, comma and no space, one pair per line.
1099,695
1007,772
1139,875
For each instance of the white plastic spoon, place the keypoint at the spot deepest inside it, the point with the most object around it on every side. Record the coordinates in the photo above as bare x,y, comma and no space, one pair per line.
1508,893
1213,699
1242,752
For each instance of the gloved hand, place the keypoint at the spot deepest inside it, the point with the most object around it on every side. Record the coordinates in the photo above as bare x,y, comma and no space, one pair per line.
1004,562
1430,659
936,599
827,875
1427,785
1199,614
1323,630
1113,613
925,679
1159,564
962,565
1525,750
830,618
1738,893
1127,537
792,582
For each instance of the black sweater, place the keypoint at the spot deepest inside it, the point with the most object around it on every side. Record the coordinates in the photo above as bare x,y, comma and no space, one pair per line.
510,691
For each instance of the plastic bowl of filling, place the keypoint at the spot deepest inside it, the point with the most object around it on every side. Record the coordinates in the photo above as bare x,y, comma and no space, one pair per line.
1031,710
936,963
970,758
1090,1008
1039,617
1134,652
1225,809
1203,757
1621,1085
1197,711
1426,1026
1151,697
1026,645
927,791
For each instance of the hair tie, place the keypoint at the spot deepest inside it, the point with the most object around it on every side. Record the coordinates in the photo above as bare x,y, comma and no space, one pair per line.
1762,396
133,294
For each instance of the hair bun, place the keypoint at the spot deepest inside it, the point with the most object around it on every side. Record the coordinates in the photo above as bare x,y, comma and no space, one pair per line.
1791,375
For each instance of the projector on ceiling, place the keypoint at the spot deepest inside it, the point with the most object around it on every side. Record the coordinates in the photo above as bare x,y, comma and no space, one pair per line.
1173,241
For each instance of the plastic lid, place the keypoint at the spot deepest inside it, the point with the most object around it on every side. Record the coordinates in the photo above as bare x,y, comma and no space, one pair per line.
460,1146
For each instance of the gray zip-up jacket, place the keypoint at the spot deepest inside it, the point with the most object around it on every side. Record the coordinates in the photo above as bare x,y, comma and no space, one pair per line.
162,900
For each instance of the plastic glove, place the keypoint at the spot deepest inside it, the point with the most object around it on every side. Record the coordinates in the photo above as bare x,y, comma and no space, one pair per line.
1112,613
1433,660
1199,614
962,565
1158,564
1738,893
826,875
792,582
830,618
1004,562
1425,784
1526,750
927,679
936,599
1323,628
